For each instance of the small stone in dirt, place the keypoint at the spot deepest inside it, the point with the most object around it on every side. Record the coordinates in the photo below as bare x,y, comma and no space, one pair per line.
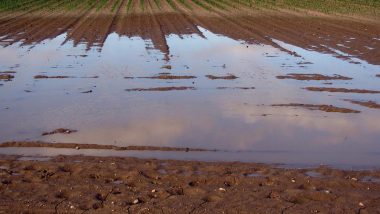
293,180
59,131
77,148
72,207
136,201
222,189
154,190
166,67
361,204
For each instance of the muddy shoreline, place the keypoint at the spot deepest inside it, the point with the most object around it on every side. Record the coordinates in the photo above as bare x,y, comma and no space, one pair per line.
35,144
96,185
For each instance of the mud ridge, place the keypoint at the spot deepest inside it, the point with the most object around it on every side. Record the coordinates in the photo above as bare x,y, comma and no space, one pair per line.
179,88
93,146
313,77
368,104
226,77
165,76
325,108
342,90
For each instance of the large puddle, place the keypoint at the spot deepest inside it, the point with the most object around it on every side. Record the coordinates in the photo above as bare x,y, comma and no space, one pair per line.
196,104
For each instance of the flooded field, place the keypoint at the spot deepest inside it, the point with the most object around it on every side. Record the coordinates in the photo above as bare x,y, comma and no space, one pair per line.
237,85
189,106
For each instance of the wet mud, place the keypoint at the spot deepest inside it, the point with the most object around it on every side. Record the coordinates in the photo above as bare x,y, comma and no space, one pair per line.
51,77
6,77
77,184
165,76
93,146
226,77
59,131
242,88
368,104
325,108
322,33
342,90
178,88
313,77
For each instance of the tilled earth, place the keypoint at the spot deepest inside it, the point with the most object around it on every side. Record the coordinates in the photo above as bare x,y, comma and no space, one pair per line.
79,184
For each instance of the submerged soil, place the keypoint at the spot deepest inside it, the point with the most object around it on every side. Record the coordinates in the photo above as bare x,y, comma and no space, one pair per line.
342,90
313,77
60,131
226,77
34,144
368,104
78,184
178,88
169,77
325,108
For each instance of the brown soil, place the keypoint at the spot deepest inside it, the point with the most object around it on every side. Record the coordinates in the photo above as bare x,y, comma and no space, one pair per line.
92,146
60,131
323,33
342,90
77,184
165,76
179,88
325,108
6,77
313,77
166,67
369,104
227,77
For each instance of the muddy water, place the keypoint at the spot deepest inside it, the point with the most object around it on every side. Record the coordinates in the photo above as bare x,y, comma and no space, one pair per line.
232,115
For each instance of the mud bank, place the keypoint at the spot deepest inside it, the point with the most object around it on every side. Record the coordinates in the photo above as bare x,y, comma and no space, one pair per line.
93,146
98,185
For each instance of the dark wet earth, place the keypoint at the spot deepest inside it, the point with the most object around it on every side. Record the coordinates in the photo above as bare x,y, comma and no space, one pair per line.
209,92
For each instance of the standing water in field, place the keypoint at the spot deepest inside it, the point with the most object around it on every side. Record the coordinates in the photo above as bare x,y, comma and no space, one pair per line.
262,99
